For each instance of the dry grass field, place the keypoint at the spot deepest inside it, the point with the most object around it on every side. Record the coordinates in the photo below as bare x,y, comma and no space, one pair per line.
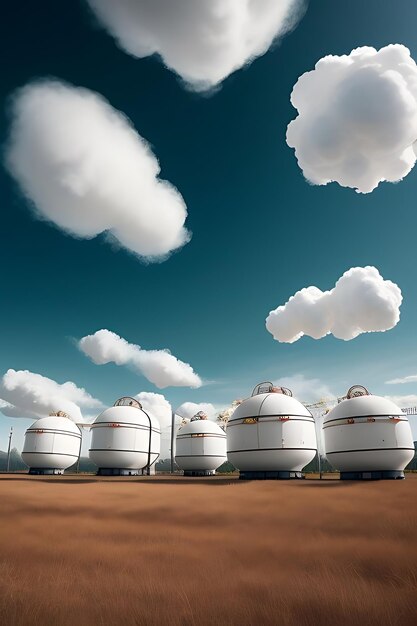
86,551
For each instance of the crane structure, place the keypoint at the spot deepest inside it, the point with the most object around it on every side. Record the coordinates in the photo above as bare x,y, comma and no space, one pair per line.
410,410
319,409
224,416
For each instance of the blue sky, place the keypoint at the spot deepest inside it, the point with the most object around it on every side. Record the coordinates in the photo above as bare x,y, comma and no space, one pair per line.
260,231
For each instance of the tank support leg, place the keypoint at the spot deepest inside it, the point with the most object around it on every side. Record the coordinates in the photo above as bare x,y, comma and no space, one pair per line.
282,475
374,475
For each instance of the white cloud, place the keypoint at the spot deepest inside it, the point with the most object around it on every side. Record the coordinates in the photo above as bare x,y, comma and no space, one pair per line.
357,118
401,381
201,40
160,367
31,395
86,169
360,302
189,409
305,389
404,401
157,405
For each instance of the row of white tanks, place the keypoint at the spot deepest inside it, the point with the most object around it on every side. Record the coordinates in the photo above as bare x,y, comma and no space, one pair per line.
269,435
272,435
125,440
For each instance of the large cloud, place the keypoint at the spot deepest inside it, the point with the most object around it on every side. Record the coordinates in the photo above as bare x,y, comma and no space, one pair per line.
31,395
357,118
160,367
86,169
157,405
360,302
201,40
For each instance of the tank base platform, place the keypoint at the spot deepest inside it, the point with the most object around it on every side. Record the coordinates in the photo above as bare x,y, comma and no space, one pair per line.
47,471
245,475
198,473
116,471
375,475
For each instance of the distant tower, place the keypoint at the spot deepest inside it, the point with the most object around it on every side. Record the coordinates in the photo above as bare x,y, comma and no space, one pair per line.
367,437
271,435
124,439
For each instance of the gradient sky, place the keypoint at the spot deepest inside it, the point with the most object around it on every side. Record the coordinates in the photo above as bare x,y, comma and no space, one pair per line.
260,231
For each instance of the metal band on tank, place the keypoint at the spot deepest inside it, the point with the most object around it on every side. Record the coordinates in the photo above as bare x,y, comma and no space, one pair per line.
367,450
41,431
125,425
51,453
120,450
364,419
266,449
270,418
197,456
189,436
148,464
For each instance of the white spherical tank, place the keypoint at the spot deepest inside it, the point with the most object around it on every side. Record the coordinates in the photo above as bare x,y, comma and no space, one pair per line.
367,437
124,439
271,435
52,444
200,447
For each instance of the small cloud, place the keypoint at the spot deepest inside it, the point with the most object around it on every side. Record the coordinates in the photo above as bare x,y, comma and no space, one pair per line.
402,381
360,302
160,367
189,409
305,389
357,118
84,168
203,41
30,395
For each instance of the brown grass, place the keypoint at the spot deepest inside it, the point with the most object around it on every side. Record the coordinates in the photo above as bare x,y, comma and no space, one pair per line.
78,550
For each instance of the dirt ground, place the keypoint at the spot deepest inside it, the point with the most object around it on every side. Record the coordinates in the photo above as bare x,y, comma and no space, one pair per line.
80,551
